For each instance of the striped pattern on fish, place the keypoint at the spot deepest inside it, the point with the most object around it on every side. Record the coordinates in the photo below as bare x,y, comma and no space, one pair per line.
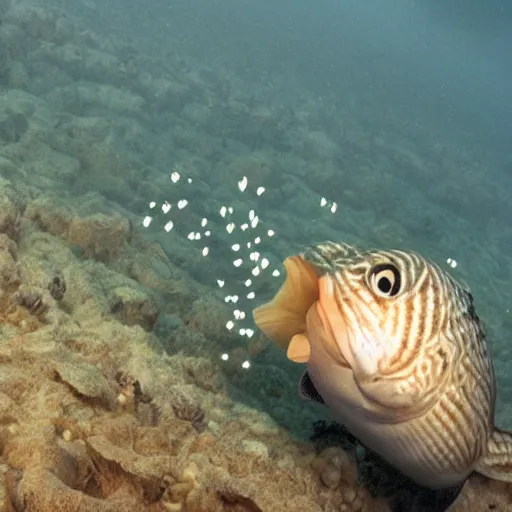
394,347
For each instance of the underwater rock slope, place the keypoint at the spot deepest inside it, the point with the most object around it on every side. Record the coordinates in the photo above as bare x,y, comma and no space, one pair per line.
97,413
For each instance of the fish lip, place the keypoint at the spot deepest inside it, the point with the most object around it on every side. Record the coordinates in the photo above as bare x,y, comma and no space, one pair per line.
341,352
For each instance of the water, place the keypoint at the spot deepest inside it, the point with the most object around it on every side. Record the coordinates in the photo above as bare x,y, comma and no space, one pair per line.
163,158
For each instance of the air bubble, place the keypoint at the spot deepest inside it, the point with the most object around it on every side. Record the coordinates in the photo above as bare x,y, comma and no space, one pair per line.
242,184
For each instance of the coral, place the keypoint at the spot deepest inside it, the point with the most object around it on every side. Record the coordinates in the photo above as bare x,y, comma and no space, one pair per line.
177,492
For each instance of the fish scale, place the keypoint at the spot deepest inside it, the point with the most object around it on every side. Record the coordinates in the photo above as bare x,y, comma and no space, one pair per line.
393,346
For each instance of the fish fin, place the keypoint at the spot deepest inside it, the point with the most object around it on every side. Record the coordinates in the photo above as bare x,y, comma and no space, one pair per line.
299,349
496,463
307,389
285,315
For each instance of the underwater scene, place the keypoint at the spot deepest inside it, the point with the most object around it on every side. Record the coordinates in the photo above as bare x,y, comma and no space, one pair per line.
237,243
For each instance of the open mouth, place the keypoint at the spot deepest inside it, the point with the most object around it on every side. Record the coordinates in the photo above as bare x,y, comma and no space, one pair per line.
332,320
284,317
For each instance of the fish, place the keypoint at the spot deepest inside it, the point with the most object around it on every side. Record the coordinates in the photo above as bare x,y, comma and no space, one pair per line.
394,348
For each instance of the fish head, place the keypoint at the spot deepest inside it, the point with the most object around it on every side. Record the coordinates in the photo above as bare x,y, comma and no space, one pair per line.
388,316
398,320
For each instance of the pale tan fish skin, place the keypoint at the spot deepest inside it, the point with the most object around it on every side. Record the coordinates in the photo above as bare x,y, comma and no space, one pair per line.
404,366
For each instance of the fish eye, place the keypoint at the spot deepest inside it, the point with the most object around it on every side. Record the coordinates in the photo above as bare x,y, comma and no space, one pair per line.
385,280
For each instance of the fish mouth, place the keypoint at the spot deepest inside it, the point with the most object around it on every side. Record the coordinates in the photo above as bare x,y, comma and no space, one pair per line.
354,339
337,339
283,319
305,312
353,332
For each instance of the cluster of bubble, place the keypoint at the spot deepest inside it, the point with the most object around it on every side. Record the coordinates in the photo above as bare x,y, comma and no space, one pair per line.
248,236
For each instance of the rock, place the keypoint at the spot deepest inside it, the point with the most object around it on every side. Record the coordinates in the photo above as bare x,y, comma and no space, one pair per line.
9,271
102,238
87,380
13,127
5,5
49,215
82,99
255,448
50,169
134,307
9,210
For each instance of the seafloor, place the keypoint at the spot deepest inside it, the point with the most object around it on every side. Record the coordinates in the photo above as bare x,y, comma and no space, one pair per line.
122,388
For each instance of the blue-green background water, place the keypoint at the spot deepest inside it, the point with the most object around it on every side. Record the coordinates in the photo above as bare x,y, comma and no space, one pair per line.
399,113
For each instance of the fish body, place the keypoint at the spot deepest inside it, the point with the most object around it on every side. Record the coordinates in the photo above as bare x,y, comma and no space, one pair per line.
394,348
